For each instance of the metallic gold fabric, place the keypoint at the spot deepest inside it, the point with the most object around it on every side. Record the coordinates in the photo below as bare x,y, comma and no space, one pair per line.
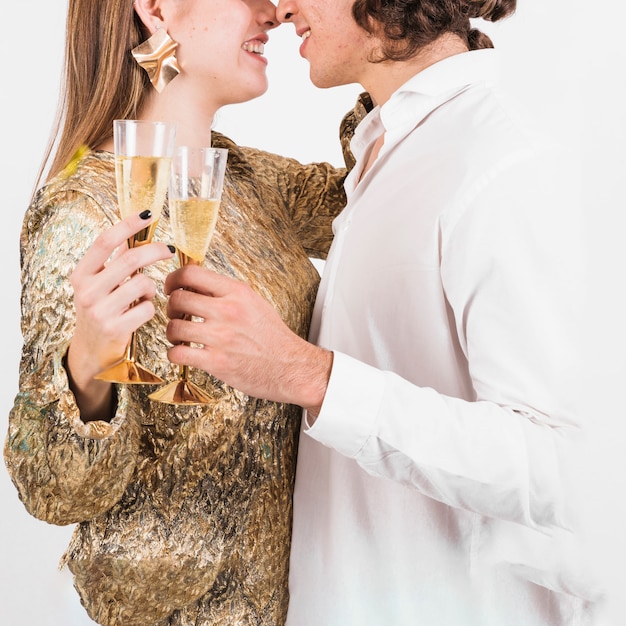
183,513
349,123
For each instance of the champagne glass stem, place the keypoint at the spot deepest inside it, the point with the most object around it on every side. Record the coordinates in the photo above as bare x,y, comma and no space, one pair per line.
183,373
183,370
131,348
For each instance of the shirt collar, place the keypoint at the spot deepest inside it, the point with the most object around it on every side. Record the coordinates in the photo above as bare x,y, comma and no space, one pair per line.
421,94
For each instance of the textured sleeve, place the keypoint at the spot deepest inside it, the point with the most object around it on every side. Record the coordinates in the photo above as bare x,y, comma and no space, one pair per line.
349,123
313,194
65,470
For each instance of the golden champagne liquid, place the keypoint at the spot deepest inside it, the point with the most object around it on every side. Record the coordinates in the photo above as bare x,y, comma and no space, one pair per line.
193,222
142,184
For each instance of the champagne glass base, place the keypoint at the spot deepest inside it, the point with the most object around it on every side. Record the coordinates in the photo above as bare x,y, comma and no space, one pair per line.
129,372
181,392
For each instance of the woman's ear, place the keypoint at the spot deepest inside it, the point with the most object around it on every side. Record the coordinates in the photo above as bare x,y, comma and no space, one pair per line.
149,12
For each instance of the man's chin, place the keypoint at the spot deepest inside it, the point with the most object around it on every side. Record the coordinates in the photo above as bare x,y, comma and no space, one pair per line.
325,81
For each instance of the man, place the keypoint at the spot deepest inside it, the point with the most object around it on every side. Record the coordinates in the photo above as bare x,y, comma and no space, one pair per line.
440,433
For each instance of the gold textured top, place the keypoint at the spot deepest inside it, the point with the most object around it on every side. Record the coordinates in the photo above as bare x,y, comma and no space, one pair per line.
183,513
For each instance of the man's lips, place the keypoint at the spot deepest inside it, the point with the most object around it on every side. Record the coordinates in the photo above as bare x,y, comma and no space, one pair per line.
304,34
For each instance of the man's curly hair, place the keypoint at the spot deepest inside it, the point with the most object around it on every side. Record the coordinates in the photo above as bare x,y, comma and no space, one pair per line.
406,26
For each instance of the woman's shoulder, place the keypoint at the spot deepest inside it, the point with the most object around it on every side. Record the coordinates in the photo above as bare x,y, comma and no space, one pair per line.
237,155
89,172
246,163
218,140
88,181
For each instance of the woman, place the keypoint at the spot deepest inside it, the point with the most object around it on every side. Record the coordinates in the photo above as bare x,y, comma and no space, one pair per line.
183,513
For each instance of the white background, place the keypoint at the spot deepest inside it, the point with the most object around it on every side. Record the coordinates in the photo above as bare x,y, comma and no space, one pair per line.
566,66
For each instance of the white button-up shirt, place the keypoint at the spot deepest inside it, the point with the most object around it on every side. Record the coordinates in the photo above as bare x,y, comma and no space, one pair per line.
433,488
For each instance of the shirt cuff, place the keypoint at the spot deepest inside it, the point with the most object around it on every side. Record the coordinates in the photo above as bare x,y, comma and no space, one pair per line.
351,406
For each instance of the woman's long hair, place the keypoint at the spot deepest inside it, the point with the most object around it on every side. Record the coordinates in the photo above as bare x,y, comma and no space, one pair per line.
101,81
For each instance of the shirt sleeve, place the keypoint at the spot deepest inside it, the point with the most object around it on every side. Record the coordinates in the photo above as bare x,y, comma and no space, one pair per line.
65,470
512,270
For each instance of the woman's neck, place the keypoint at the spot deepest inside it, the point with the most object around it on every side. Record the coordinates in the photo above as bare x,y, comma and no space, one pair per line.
192,115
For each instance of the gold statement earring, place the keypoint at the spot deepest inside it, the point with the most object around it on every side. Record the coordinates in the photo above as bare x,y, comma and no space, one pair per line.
157,56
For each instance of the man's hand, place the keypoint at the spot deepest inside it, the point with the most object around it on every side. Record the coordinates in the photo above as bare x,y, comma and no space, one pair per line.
243,340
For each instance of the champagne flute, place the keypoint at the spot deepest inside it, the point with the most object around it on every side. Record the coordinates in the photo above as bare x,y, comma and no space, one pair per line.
143,155
194,198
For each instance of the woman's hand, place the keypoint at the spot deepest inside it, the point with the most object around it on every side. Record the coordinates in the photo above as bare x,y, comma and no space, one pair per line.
112,299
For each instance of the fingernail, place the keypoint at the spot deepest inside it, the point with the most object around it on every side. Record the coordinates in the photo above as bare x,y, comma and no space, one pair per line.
145,215
171,247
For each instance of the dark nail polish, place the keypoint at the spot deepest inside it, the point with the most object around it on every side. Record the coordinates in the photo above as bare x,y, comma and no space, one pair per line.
171,247
145,215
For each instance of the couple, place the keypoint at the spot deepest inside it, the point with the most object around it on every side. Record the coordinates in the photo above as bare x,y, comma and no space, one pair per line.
437,381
